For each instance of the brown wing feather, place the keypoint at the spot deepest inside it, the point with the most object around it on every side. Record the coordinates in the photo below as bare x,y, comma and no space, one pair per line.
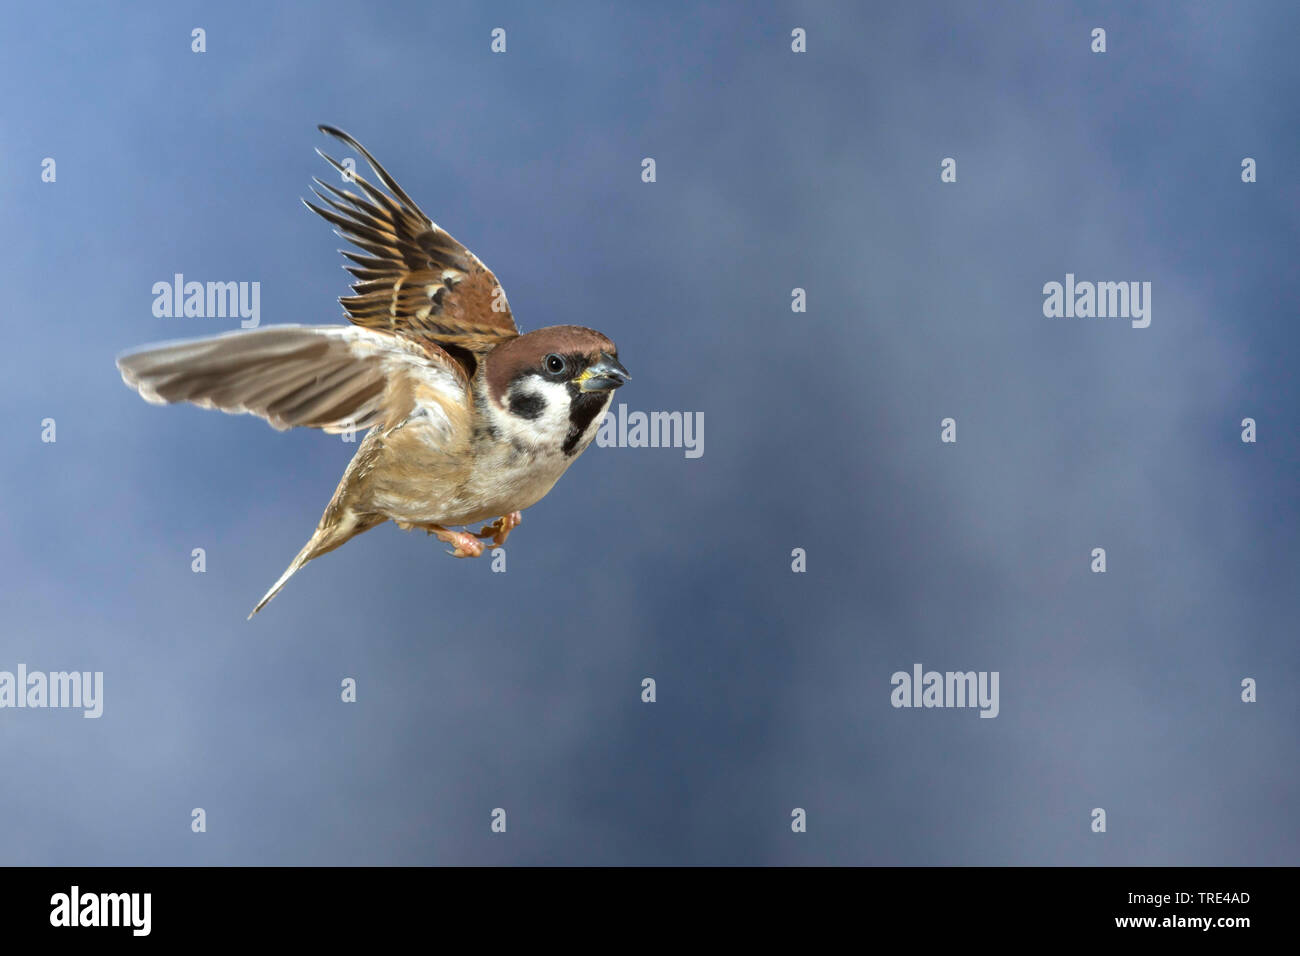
416,280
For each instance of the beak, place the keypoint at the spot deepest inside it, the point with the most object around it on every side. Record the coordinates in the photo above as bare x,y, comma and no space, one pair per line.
605,375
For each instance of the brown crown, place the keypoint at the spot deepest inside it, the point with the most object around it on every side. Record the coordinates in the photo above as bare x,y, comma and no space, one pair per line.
511,359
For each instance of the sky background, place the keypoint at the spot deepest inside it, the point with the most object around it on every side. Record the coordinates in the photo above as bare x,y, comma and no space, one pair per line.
775,170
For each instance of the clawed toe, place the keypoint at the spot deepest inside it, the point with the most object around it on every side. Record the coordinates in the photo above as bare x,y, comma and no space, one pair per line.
500,529
464,544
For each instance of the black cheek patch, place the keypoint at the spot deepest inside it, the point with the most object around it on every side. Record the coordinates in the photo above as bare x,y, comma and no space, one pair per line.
584,406
527,405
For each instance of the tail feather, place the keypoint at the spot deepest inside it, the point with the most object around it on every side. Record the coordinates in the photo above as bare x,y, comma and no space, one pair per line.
302,558
324,540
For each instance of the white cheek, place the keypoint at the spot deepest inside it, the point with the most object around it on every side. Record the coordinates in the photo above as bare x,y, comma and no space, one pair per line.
552,425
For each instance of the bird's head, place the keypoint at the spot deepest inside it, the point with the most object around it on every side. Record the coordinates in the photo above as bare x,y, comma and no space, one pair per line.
555,383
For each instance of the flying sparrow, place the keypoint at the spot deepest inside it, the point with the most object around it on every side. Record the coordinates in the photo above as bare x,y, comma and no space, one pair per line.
467,420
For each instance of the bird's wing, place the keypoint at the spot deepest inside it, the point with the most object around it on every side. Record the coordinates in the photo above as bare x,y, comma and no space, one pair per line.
336,378
416,281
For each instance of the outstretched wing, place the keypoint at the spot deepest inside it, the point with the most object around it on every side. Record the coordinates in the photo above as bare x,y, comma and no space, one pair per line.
335,378
416,281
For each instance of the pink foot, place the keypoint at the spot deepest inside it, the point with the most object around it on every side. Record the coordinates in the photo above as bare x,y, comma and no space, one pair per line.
500,529
465,544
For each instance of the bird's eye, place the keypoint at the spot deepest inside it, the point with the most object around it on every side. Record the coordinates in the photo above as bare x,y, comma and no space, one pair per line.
554,364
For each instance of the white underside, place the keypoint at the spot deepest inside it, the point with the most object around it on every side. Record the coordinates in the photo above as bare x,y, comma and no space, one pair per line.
512,472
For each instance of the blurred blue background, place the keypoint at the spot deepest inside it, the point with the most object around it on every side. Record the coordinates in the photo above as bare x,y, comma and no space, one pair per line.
775,170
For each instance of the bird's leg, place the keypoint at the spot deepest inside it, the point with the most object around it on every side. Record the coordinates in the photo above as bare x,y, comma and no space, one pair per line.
466,545
500,529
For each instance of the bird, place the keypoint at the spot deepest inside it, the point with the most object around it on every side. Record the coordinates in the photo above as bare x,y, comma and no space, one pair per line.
466,419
